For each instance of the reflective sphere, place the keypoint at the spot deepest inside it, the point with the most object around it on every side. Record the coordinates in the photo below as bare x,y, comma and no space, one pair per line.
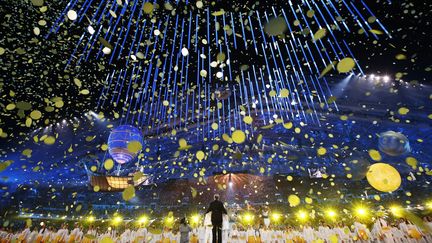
358,168
393,143
122,143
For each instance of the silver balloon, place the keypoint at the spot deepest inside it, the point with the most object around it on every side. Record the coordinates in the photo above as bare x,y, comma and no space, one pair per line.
393,143
358,167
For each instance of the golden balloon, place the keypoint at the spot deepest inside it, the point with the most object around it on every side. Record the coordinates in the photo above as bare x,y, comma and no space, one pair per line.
383,177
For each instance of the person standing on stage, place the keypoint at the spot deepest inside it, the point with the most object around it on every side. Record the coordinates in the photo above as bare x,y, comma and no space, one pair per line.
217,209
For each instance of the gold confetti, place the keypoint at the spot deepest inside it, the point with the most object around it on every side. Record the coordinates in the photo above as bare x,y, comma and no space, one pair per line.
345,65
238,136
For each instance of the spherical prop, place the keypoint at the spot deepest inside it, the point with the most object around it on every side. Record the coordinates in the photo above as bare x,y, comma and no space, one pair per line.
383,177
125,143
393,143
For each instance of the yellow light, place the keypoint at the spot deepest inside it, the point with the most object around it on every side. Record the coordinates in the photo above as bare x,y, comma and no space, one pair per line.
248,218
143,219
302,215
429,205
396,210
195,219
361,212
276,217
169,220
331,214
91,219
117,220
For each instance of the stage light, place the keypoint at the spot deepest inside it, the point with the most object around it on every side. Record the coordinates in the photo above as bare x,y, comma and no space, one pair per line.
169,220
117,220
276,217
386,78
90,219
248,218
302,215
331,214
396,210
143,220
429,205
361,212
195,219
230,183
372,76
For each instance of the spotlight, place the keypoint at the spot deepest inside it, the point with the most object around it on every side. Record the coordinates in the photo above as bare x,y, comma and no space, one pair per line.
361,212
143,220
386,78
372,76
275,217
331,214
230,183
91,219
169,220
117,220
248,218
396,210
302,215
195,219
429,205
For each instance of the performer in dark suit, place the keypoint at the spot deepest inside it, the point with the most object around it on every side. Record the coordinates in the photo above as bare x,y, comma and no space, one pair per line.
217,209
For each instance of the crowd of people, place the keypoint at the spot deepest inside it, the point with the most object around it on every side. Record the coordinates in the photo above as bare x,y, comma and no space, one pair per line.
218,227
381,231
